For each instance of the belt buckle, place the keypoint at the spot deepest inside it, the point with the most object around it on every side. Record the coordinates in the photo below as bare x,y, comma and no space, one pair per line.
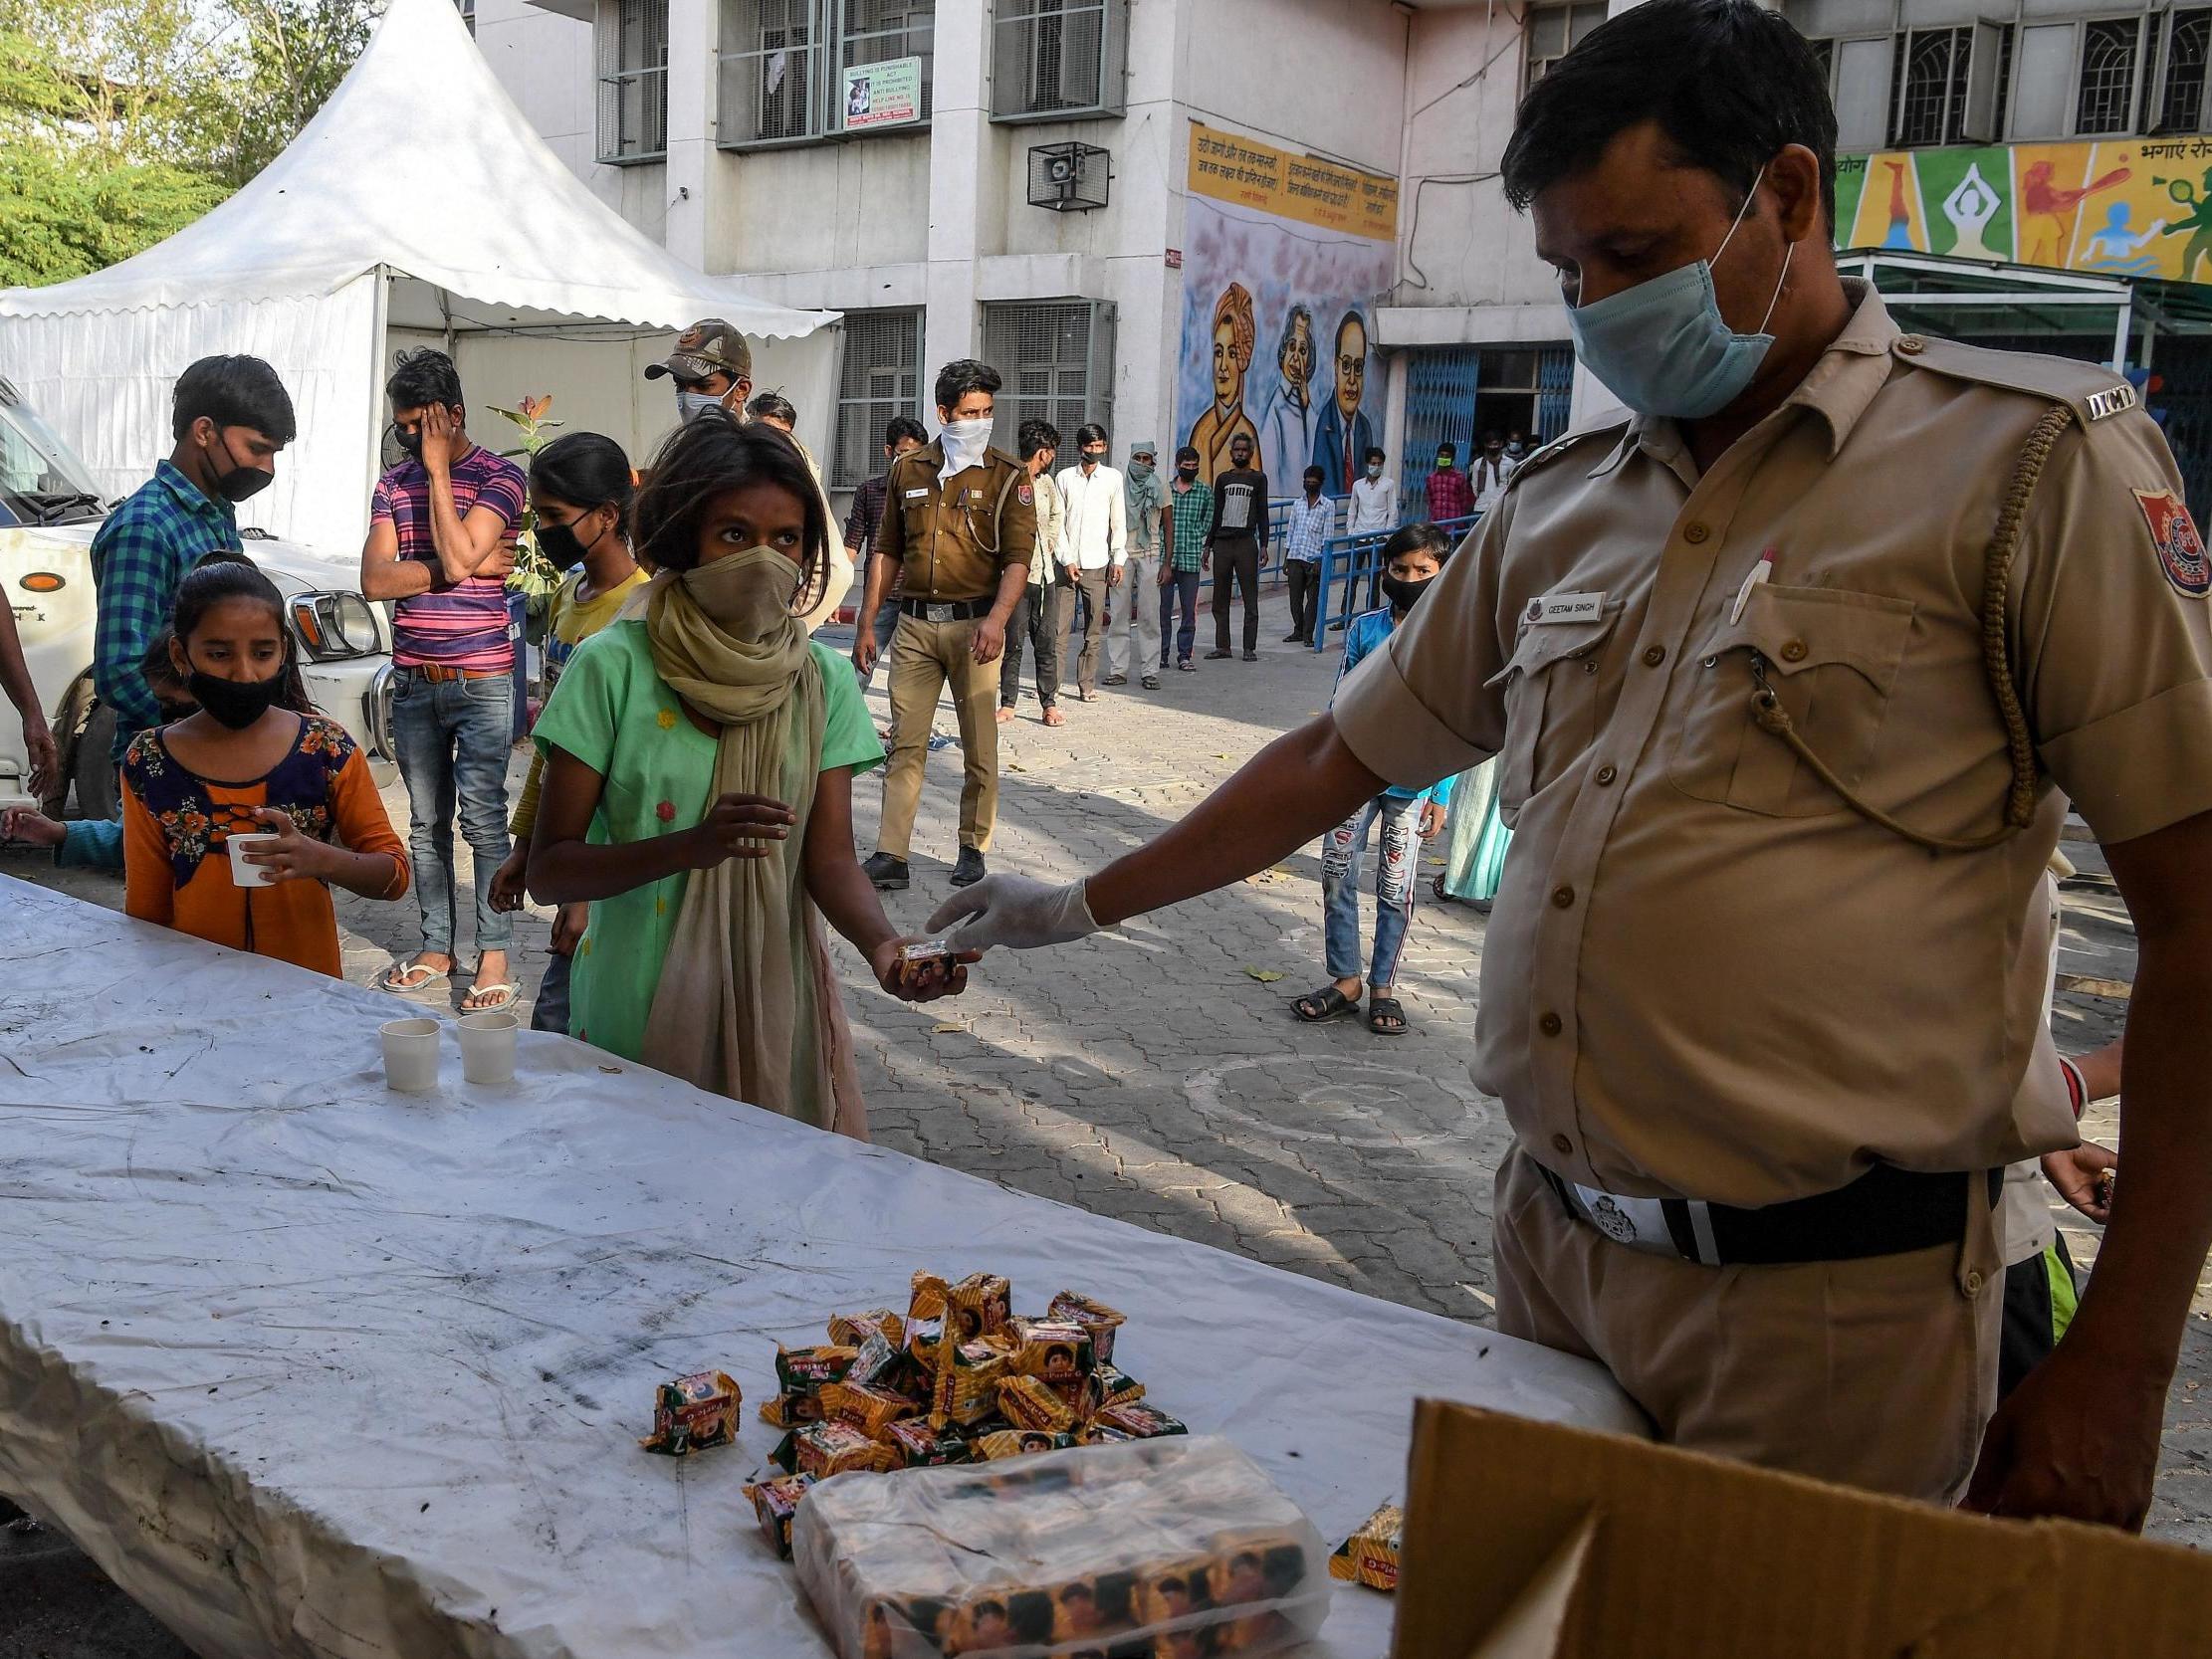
936,613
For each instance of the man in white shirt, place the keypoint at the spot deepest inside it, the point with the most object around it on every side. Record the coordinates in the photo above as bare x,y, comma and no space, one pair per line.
1491,472
1093,546
1374,498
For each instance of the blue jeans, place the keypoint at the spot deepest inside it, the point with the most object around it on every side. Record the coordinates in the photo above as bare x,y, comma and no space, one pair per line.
887,624
1394,887
453,736
1182,590
550,1011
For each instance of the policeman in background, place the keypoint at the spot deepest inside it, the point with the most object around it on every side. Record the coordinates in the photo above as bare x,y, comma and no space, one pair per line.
959,518
1790,677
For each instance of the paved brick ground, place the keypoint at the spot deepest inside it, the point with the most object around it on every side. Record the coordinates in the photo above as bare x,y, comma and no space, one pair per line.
1155,1075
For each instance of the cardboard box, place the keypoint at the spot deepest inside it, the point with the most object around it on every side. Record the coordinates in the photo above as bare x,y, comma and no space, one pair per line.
1534,1541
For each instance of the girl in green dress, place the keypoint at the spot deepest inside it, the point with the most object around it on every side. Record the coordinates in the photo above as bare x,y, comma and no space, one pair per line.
699,754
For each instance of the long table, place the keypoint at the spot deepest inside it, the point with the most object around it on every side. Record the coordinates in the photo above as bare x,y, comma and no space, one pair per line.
311,1367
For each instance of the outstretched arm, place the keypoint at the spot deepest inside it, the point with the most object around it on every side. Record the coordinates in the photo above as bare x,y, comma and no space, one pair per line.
1305,782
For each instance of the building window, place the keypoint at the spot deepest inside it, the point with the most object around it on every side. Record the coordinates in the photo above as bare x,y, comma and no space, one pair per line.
1554,31
1057,58
879,379
2183,86
633,80
468,13
1057,358
781,63
1929,106
2112,52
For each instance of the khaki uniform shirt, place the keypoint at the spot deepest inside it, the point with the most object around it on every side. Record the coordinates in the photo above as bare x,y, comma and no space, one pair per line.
1705,976
954,537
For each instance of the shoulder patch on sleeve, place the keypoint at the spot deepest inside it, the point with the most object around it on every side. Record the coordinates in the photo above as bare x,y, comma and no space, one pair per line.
1566,442
1024,495
2173,535
2093,391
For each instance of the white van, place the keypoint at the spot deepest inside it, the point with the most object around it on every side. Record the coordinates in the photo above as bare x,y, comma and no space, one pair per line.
48,512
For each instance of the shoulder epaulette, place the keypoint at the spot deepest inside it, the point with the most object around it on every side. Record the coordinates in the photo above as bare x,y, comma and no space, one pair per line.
2092,391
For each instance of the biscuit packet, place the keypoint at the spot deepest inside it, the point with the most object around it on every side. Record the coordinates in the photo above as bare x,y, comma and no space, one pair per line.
1028,1404
854,1329
966,1387
1370,1556
1117,1387
866,1408
1072,1307
826,1449
1138,1422
693,1413
915,1445
774,1503
1017,1442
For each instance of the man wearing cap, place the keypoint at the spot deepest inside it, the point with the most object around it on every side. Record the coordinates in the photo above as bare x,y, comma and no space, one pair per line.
959,519
1144,507
712,367
1791,676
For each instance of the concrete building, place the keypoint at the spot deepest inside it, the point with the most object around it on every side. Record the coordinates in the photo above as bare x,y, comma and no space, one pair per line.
1119,202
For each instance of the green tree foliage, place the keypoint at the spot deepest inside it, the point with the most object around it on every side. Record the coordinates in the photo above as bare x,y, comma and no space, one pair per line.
123,121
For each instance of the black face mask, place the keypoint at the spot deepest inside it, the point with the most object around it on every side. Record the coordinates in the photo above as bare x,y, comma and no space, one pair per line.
562,544
1189,469
410,442
237,483
1403,595
236,703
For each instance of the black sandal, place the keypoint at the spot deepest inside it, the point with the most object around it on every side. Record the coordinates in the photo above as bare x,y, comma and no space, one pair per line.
1383,1010
1327,1003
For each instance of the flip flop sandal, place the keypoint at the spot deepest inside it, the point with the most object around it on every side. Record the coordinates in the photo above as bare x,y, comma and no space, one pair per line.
1327,1003
503,998
389,979
1384,1008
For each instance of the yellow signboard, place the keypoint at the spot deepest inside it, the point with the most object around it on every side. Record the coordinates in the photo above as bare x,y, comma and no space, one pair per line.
2124,207
1233,169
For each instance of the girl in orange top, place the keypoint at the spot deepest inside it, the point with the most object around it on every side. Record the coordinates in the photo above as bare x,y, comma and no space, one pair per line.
254,760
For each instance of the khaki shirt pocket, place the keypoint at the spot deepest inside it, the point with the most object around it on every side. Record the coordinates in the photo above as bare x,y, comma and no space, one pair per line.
1550,687
1831,657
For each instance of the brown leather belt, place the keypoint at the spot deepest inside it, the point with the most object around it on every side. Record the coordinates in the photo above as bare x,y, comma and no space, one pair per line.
440,673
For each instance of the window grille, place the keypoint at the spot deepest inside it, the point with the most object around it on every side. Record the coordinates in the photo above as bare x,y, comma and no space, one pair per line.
879,378
1056,357
1058,57
633,80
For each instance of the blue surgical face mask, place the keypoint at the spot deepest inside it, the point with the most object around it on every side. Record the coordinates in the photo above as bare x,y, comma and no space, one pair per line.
691,405
1663,348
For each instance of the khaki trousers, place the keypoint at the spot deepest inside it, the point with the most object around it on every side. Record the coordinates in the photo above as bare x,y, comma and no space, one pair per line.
1879,1374
925,658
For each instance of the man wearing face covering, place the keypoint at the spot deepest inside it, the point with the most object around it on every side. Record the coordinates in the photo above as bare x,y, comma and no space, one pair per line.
960,519
229,417
1791,671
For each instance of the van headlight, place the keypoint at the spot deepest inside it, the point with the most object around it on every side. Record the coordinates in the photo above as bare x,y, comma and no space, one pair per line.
334,626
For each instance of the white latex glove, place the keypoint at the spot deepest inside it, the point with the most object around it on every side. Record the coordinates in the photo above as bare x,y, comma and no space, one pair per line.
1018,912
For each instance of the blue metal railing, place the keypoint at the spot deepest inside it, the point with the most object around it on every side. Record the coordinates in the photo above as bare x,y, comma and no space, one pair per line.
1352,565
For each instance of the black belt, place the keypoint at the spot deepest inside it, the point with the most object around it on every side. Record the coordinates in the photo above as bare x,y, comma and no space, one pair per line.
946,610
1888,1211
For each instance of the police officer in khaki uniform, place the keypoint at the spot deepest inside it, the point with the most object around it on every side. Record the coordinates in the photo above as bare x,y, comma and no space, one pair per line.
1790,675
960,517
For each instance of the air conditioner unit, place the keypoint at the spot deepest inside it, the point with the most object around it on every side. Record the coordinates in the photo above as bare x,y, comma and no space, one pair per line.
1069,178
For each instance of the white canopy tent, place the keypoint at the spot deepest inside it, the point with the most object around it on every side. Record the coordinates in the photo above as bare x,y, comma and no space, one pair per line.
417,207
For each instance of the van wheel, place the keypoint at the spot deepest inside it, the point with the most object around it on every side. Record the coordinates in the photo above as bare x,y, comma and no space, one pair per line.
90,769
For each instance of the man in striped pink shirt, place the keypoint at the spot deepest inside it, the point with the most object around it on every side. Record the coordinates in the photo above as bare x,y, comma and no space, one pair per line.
441,542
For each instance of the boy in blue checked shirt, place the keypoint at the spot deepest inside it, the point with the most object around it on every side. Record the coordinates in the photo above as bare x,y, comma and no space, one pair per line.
1411,560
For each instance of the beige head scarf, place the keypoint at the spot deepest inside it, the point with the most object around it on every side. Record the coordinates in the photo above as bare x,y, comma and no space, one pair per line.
746,1005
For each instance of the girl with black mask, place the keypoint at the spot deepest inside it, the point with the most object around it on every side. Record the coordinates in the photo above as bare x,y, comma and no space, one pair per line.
579,498
254,760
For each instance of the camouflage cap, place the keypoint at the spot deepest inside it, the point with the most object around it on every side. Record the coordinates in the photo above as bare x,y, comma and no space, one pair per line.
709,347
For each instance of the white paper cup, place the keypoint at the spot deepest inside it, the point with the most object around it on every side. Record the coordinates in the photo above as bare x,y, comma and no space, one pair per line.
251,874
410,1055
488,1047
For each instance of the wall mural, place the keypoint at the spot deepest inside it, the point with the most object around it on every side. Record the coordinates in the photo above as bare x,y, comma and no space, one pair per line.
1282,257
2124,207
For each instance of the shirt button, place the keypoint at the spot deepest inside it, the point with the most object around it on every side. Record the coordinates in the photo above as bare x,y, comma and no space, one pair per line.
1793,651
1695,533
1563,897
1562,1146
1911,344
1605,775
1973,1283
1653,656
1551,1025
1590,665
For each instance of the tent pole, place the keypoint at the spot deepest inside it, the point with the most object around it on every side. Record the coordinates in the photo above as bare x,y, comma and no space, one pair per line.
2121,327
445,310
379,323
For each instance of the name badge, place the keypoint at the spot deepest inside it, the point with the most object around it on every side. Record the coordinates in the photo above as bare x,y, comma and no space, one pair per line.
918,495
1566,607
